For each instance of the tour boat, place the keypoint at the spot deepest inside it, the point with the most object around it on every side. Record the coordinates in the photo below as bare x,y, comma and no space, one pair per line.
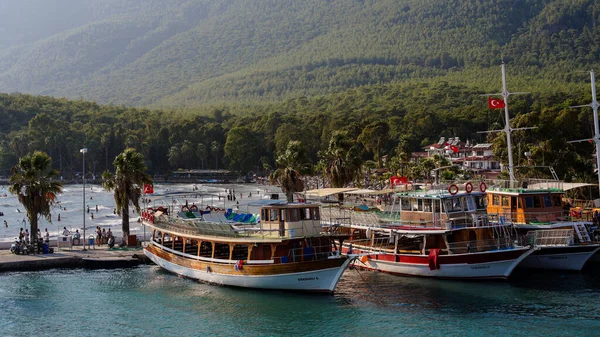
563,240
442,233
286,250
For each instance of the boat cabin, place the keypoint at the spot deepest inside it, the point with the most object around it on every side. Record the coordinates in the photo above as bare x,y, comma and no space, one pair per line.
440,210
291,220
526,206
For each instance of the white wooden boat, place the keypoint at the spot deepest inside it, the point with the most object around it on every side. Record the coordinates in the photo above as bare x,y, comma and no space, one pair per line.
286,251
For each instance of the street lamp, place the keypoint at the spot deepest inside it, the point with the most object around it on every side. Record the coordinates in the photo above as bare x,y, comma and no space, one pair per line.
83,152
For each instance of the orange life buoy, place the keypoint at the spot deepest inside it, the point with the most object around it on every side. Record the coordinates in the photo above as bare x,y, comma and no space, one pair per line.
468,187
482,187
453,189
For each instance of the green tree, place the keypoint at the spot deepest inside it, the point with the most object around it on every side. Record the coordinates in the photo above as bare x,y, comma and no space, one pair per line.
341,160
291,165
374,137
127,183
32,180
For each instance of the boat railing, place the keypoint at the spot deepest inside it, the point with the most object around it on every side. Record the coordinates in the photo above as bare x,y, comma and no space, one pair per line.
534,217
548,237
474,246
310,253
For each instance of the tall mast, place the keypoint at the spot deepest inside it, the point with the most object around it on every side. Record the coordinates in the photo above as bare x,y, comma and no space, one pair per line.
596,127
507,129
596,139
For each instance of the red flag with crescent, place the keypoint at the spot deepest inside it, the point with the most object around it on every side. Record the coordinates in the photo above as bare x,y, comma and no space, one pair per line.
148,189
494,103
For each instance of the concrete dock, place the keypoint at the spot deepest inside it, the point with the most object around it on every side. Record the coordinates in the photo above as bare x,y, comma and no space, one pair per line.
98,258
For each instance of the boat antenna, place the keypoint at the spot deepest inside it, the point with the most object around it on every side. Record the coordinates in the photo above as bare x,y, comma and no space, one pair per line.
507,129
596,138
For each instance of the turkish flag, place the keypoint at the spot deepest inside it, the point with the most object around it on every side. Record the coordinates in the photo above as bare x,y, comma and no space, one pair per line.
494,103
148,189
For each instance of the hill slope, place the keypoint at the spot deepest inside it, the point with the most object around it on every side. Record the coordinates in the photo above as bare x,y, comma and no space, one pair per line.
193,52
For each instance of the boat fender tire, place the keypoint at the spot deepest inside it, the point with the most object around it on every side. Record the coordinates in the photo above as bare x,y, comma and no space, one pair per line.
482,187
452,189
468,187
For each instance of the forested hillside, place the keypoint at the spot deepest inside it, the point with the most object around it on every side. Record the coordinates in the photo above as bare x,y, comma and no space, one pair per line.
189,53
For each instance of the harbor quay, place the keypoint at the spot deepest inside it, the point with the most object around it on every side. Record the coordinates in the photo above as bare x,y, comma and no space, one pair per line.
73,257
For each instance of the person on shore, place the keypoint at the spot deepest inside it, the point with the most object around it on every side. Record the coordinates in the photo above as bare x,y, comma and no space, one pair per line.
46,236
98,235
66,232
77,237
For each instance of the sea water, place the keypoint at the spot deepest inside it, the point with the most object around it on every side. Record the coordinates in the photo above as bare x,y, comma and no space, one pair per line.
73,212
148,301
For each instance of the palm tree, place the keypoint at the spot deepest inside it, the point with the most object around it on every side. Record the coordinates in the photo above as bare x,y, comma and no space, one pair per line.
127,183
291,164
33,181
341,160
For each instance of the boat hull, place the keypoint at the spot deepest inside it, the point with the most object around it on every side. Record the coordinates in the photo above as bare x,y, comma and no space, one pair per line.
482,265
313,276
560,257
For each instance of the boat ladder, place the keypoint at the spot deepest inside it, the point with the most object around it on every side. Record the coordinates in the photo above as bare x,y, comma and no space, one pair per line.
582,232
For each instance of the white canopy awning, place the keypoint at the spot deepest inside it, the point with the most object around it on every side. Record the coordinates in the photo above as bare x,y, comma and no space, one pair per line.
323,192
561,185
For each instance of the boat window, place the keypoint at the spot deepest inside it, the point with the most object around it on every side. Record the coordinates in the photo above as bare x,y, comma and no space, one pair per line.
536,202
505,201
221,251
405,204
427,205
557,200
315,213
206,249
496,200
293,215
480,202
528,202
453,205
191,247
240,252
547,201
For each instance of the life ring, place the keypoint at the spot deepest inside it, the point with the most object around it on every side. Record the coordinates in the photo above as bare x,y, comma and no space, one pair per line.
468,187
452,189
482,187
194,208
185,208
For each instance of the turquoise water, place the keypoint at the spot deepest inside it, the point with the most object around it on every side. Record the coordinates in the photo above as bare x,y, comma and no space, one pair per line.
147,301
